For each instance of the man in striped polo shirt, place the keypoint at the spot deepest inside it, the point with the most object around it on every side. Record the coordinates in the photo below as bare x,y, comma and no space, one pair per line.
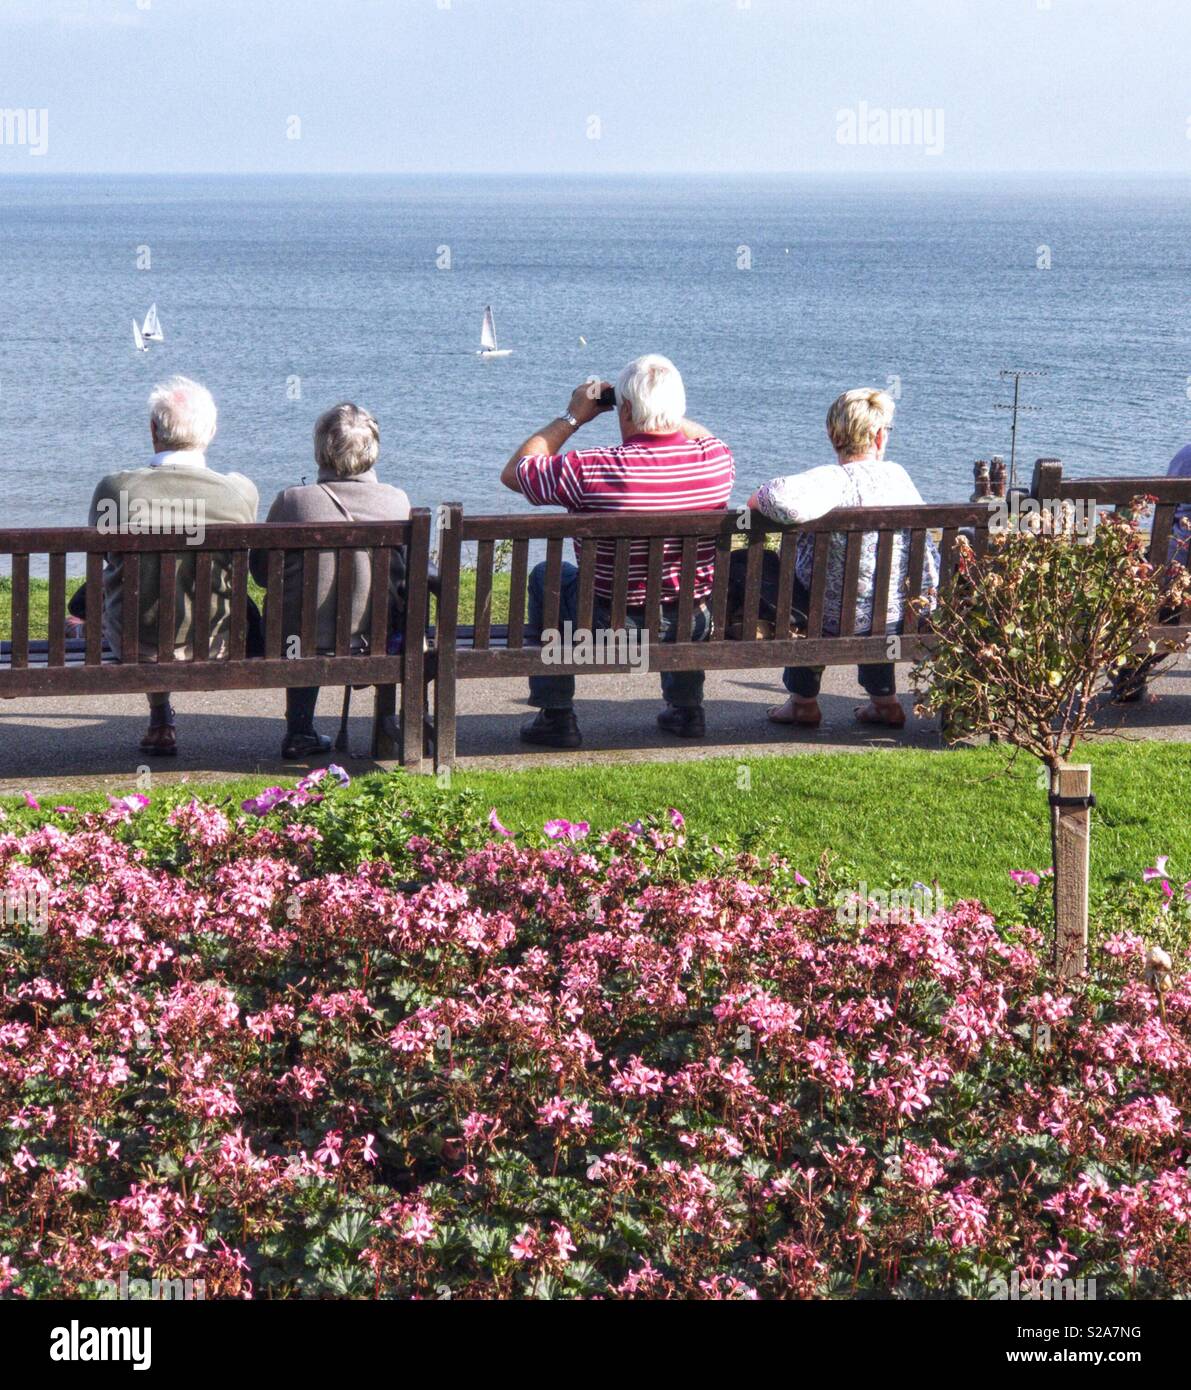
665,463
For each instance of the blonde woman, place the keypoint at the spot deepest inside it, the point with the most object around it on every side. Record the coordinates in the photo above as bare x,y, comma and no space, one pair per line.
858,426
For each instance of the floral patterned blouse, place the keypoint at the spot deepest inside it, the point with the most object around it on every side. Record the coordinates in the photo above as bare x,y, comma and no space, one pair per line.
865,483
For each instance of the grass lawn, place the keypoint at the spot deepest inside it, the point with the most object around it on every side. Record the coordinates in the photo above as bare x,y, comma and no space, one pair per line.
915,815
39,601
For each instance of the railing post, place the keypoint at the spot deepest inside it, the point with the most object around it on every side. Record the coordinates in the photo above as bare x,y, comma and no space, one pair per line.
449,551
1071,816
413,648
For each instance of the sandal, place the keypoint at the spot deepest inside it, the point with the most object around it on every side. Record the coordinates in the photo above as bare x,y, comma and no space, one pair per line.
809,717
887,719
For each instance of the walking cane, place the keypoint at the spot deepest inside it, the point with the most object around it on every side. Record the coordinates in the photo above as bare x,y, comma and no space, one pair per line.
341,736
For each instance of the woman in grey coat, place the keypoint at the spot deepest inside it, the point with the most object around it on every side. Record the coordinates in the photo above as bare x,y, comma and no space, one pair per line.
346,449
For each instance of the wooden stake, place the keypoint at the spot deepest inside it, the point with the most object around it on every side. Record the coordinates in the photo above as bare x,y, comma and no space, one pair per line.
1070,836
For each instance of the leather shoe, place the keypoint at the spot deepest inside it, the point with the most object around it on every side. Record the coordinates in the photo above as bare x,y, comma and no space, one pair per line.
553,728
304,745
687,721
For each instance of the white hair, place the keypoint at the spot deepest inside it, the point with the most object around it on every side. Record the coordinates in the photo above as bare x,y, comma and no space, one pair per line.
653,388
346,440
184,414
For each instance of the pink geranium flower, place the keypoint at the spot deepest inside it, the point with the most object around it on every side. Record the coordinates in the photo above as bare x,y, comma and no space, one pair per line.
566,830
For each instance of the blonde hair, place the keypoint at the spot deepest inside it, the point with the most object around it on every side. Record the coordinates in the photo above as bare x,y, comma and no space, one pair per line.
856,416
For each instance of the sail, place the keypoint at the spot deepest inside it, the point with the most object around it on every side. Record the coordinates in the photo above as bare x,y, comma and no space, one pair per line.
138,341
152,330
488,332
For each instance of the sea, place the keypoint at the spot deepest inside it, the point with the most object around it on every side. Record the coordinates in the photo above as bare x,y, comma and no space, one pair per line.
285,295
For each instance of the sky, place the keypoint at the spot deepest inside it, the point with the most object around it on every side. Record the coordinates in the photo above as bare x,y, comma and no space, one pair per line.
594,86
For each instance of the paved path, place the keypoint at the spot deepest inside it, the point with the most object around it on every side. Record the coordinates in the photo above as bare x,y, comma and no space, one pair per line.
47,746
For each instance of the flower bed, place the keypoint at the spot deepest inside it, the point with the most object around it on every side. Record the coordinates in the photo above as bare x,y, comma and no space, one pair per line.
302,1050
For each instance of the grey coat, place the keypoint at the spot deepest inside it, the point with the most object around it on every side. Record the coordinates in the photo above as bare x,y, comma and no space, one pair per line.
363,498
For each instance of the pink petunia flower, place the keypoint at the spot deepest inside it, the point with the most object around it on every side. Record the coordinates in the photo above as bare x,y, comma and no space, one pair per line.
495,825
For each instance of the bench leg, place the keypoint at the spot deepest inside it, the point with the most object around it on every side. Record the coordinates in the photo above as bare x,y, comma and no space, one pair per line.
384,714
444,717
413,716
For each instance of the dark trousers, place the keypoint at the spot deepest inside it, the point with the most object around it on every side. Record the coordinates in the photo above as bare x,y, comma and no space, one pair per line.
300,701
877,679
681,688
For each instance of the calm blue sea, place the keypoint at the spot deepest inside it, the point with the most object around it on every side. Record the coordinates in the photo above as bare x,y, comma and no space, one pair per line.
331,286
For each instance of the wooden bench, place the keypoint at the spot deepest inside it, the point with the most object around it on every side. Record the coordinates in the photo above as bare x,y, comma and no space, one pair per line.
1049,486
58,666
483,650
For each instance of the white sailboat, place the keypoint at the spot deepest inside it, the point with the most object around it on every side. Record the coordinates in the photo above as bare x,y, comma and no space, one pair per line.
488,347
151,332
138,341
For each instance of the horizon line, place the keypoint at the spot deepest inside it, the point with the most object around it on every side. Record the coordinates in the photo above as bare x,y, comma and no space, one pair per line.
934,173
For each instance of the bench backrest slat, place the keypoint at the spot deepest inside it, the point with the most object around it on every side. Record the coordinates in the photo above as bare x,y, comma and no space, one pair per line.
20,610
620,582
947,555
202,605
851,589
785,585
915,562
238,624
884,571
378,599
686,586
482,614
518,577
751,602
167,593
94,612
553,582
274,588
814,615
653,585
719,587
345,582
130,598
308,616
585,605
56,653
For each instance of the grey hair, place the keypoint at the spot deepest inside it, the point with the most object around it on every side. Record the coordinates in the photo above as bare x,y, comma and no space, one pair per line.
346,440
653,388
183,414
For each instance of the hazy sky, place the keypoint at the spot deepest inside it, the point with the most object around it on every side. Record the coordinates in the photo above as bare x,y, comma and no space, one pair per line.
524,85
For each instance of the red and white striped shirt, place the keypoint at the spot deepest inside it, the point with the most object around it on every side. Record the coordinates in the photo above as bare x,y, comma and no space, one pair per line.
648,473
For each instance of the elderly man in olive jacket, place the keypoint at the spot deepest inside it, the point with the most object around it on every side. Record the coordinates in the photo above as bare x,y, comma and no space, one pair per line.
176,492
